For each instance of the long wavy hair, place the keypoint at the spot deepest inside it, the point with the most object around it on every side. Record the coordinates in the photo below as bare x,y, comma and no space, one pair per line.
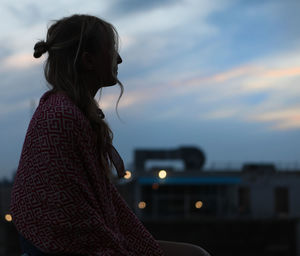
66,40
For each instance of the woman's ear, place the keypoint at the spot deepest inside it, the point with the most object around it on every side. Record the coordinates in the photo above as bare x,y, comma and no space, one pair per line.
88,61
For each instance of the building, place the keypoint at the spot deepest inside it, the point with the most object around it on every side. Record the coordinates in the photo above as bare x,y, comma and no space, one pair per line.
257,197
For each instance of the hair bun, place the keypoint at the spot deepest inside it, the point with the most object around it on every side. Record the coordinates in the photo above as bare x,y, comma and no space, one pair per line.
40,48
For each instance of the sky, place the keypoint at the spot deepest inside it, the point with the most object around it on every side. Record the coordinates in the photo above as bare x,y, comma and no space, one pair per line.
222,76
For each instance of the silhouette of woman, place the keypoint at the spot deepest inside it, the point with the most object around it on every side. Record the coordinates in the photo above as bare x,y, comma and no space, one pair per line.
63,201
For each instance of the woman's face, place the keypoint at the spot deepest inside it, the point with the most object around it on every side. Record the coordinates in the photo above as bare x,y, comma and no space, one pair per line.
102,64
101,70
107,68
116,61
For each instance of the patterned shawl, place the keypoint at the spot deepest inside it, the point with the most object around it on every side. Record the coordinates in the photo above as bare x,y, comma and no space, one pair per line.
61,200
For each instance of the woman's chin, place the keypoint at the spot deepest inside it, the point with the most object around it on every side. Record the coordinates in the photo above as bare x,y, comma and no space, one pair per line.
113,81
110,83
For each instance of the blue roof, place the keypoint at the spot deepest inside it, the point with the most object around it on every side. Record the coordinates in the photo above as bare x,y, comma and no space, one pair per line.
190,180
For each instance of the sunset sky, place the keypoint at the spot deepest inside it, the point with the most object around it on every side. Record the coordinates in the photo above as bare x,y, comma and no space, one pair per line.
221,75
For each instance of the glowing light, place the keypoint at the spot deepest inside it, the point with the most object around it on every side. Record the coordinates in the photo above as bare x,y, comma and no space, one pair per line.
127,175
198,204
8,217
142,205
155,186
162,174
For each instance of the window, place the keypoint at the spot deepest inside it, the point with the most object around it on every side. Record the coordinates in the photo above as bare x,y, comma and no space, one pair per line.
244,200
281,195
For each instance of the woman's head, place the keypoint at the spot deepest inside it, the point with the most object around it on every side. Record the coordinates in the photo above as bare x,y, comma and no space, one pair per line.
83,52
83,57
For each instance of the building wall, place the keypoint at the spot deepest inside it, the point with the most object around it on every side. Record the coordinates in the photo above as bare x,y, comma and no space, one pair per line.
261,201
264,188
263,195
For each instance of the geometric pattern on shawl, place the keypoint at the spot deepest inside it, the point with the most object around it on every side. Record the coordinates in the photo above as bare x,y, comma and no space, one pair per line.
61,201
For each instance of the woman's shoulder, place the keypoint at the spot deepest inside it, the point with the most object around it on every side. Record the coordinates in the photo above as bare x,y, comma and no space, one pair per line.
57,107
59,102
53,100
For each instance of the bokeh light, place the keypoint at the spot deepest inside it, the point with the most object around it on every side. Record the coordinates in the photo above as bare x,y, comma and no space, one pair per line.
199,204
162,174
127,175
142,205
8,217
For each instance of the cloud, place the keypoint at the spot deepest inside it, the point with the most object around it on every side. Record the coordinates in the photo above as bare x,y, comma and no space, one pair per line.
165,18
6,109
249,93
125,7
160,45
162,35
19,61
28,19
283,119
279,108
220,114
130,99
29,12
279,73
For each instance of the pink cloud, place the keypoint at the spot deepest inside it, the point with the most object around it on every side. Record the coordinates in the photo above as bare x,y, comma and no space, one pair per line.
283,72
282,119
20,61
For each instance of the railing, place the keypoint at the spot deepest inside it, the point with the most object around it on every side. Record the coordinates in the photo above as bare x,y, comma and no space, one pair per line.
238,166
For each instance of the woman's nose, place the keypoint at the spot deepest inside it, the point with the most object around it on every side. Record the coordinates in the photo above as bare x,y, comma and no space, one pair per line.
119,60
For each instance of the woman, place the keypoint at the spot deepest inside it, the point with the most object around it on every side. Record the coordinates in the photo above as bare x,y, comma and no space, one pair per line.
63,201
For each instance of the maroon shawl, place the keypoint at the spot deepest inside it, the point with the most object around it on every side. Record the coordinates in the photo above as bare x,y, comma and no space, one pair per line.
61,200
